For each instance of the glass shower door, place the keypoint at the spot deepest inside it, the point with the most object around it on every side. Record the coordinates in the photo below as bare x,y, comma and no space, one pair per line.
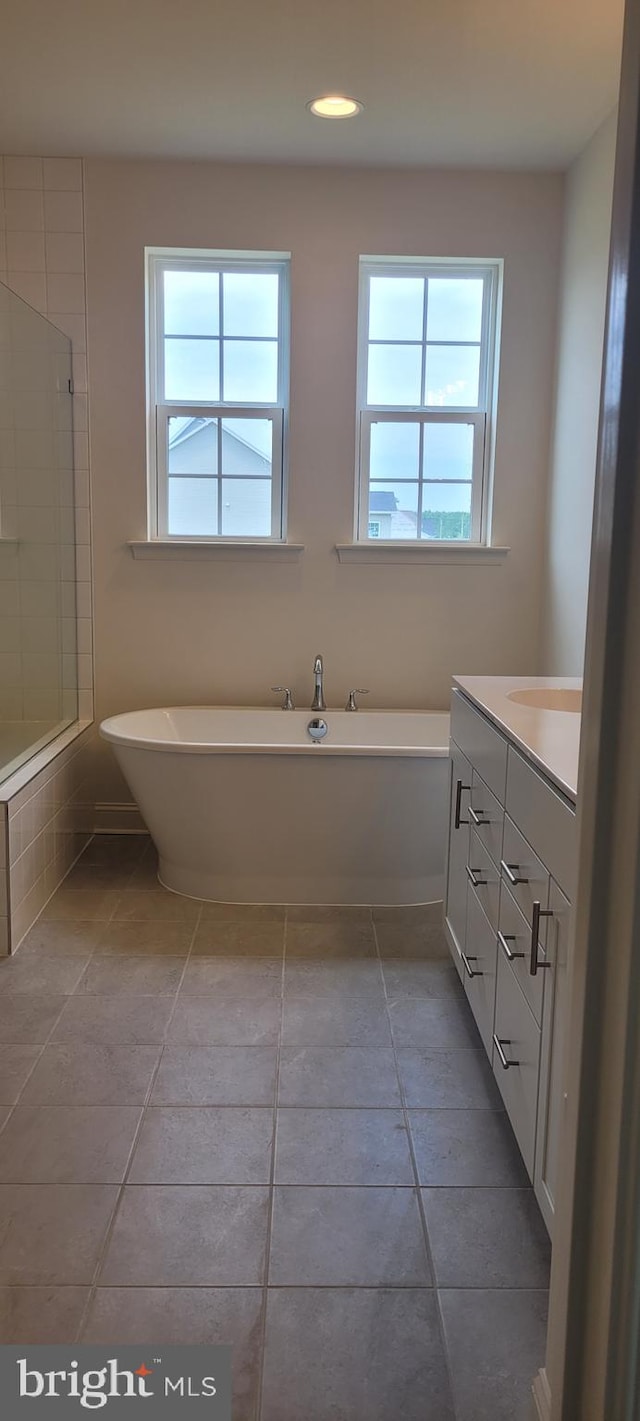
38,666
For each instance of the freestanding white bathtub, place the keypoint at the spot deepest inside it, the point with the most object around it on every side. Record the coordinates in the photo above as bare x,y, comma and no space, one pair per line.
244,807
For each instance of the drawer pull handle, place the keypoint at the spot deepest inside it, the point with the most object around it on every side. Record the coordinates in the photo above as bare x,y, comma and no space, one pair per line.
470,971
479,817
457,821
503,1060
510,871
537,912
504,940
472,875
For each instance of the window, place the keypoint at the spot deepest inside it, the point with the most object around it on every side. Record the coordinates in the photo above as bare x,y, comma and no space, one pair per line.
427,354
218,377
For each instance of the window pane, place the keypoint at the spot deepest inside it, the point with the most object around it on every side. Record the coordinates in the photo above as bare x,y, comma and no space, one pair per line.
454,308
246,508
448,451
453,374
191,370
250,304
191,303
396,307
395,508
446,512
395,450
394,375
193,446
246,447
193,507
250,372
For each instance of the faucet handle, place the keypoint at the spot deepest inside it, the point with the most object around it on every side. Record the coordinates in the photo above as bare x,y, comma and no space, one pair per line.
352,704
287,703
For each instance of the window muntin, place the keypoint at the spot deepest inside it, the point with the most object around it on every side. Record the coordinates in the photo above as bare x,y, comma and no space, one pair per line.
218,376
426,366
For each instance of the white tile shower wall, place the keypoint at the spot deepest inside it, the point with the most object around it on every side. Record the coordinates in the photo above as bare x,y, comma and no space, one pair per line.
42,260
48,823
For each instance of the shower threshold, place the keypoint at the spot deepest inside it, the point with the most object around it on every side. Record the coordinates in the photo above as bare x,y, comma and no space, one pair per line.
20,739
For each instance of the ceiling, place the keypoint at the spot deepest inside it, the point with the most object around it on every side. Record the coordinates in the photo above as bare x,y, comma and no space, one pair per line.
501,83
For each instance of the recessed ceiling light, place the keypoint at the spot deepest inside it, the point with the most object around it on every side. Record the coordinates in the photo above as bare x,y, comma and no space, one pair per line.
335,106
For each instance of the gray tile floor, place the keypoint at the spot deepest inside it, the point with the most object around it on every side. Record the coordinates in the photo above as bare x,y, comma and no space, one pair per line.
274,1128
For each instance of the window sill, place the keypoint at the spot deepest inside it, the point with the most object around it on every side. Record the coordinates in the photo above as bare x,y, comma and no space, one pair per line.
199,550
437,554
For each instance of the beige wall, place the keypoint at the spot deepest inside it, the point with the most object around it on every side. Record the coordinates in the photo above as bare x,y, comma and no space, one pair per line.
579,369
207,632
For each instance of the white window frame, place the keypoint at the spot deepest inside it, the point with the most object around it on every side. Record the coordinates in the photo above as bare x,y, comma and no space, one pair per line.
481,416
161,259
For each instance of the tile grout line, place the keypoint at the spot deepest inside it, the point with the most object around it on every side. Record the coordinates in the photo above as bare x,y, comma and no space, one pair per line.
419,1200
272,1176
13,956
121,1188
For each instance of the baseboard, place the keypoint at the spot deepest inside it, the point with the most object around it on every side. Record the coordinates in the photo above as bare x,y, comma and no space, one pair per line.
541,1397
118,819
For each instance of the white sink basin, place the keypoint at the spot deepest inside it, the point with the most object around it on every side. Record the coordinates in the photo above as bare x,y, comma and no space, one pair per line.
553,698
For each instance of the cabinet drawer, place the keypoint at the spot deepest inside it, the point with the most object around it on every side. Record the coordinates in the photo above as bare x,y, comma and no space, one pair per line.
522,870
546,819
480,960
487,817
481,743
514,937
484,879
517,1040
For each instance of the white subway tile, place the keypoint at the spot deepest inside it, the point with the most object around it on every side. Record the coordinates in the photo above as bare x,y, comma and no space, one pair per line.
24,211
22,172
63,211
35,599
82,488
80,412
10,669
31,286
41,704
10,633
82,527
83,563
79,363
72,325
11,706
81,450
85,671
63,174
35,449
85,705
84,635
25,251
83,599
65,293
37,525
39,634
40,671
64,252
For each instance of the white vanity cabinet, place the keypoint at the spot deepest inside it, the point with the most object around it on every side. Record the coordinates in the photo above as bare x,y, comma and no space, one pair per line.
551,1097
509,884
458,857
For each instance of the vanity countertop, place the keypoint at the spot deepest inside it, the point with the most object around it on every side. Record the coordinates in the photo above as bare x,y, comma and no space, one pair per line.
550,738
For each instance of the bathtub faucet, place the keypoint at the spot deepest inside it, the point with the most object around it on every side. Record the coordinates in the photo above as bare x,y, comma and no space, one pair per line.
318,702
